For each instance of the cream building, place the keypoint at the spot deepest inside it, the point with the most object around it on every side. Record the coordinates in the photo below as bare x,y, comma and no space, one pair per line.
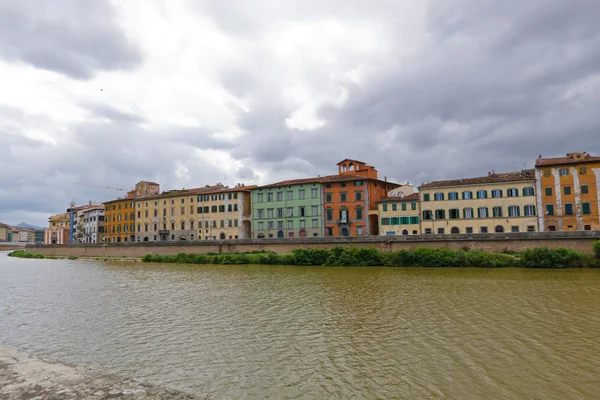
208,213
399,215
4,229
499,202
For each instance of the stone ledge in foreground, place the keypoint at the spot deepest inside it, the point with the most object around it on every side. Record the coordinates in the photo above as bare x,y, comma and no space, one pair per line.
24,377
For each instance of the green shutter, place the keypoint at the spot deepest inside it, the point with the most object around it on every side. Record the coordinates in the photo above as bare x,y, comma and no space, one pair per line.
586,208
426,197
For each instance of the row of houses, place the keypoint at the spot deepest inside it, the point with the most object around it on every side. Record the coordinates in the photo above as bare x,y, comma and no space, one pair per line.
559,194
14,234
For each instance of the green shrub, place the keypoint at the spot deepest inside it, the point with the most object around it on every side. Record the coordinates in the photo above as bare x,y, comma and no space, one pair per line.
596,249
310,256
542,257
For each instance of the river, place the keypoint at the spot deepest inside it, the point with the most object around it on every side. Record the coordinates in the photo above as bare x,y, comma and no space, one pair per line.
313,332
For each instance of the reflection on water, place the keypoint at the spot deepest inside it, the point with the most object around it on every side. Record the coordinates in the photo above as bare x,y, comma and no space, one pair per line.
313,332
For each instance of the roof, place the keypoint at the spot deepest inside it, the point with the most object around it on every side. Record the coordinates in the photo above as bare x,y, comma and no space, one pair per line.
351,160
410,197
322,179
570,158
493,177
193,192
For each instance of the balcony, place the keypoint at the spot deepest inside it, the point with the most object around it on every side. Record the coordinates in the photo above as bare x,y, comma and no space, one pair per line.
164,232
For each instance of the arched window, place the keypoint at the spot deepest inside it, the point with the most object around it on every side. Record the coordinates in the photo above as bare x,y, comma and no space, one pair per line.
302,233
222,236
351,167
343,167
344,231
454,230
404,232
280,234
499,229
261,236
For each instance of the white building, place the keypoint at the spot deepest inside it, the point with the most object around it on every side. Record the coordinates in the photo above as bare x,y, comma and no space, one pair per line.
93,224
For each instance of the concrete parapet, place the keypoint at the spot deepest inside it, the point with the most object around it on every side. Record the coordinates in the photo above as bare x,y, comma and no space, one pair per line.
579,241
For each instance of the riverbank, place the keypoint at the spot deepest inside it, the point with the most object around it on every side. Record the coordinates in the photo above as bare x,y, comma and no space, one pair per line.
24,377
27,254
359,257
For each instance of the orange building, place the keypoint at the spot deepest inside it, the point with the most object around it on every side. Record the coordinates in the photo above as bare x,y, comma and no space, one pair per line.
567,192
350,199
119,214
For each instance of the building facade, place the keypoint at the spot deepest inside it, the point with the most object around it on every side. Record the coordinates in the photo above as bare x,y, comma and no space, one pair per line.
400,215
58,229
119,214
568,192
288,209
499,202
93,224
351,199
209,213
4,229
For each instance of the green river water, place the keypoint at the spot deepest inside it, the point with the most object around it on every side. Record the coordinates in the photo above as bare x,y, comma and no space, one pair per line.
290,332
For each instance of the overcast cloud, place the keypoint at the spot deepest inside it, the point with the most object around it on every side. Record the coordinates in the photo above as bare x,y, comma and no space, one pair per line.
189,93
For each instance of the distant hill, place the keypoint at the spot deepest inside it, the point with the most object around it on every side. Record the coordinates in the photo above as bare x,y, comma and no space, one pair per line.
24,225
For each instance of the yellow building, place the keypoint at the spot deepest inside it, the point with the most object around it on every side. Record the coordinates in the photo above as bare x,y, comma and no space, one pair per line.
399,215
119,214
499,202
58,229
568,196
208,213
60,220
4,229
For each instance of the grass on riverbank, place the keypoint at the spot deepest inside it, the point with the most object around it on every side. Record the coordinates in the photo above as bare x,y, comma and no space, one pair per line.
27,254
422,257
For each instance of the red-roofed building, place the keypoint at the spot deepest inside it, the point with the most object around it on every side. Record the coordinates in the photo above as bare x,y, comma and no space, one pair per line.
568,192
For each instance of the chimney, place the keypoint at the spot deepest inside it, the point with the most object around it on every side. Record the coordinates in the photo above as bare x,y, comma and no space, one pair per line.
385,178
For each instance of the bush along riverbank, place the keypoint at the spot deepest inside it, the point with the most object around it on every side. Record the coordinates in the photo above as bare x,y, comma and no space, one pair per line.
27,254
422,257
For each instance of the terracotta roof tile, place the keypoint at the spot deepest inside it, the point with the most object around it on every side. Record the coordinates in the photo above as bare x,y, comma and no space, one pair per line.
524,175
410,197
571,158
322,179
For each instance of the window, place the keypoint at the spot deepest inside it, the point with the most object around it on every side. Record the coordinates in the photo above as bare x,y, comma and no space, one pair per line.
454,213
469,229
513,192
360,231
426,197
404,206
404,220
530,228
222,208
279,196
427,214
549,209
359,213
270,225
514,228
467,195
357,183
290,224
328,197
280,213
584,189
182,225
290,212
587,228
235,207
290,195
528,191
548,191
269,196
587,210
568,208
529,211
567,190
385,221
261,226
438,196
453,196
329,214
301,194
279,224
302,211
413,206
514,211
482,194
497,212
259,198
313,193
315,223
440,231
314,210
483,229
428,231
563,172
182,210
222,225
482,212
358,196
440,214
394,207
384,207
414,220
468,213
582,171
270,213
329,231
496,193
343,196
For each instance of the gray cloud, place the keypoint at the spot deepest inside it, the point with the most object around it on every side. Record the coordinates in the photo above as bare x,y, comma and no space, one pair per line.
70,37
485,85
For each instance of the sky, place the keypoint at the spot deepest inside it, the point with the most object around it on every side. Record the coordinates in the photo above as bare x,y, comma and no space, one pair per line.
194,92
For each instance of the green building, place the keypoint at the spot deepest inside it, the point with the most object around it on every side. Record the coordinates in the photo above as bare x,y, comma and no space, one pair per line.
288,209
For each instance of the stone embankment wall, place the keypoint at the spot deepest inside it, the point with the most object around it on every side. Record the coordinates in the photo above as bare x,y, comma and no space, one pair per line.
580,241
